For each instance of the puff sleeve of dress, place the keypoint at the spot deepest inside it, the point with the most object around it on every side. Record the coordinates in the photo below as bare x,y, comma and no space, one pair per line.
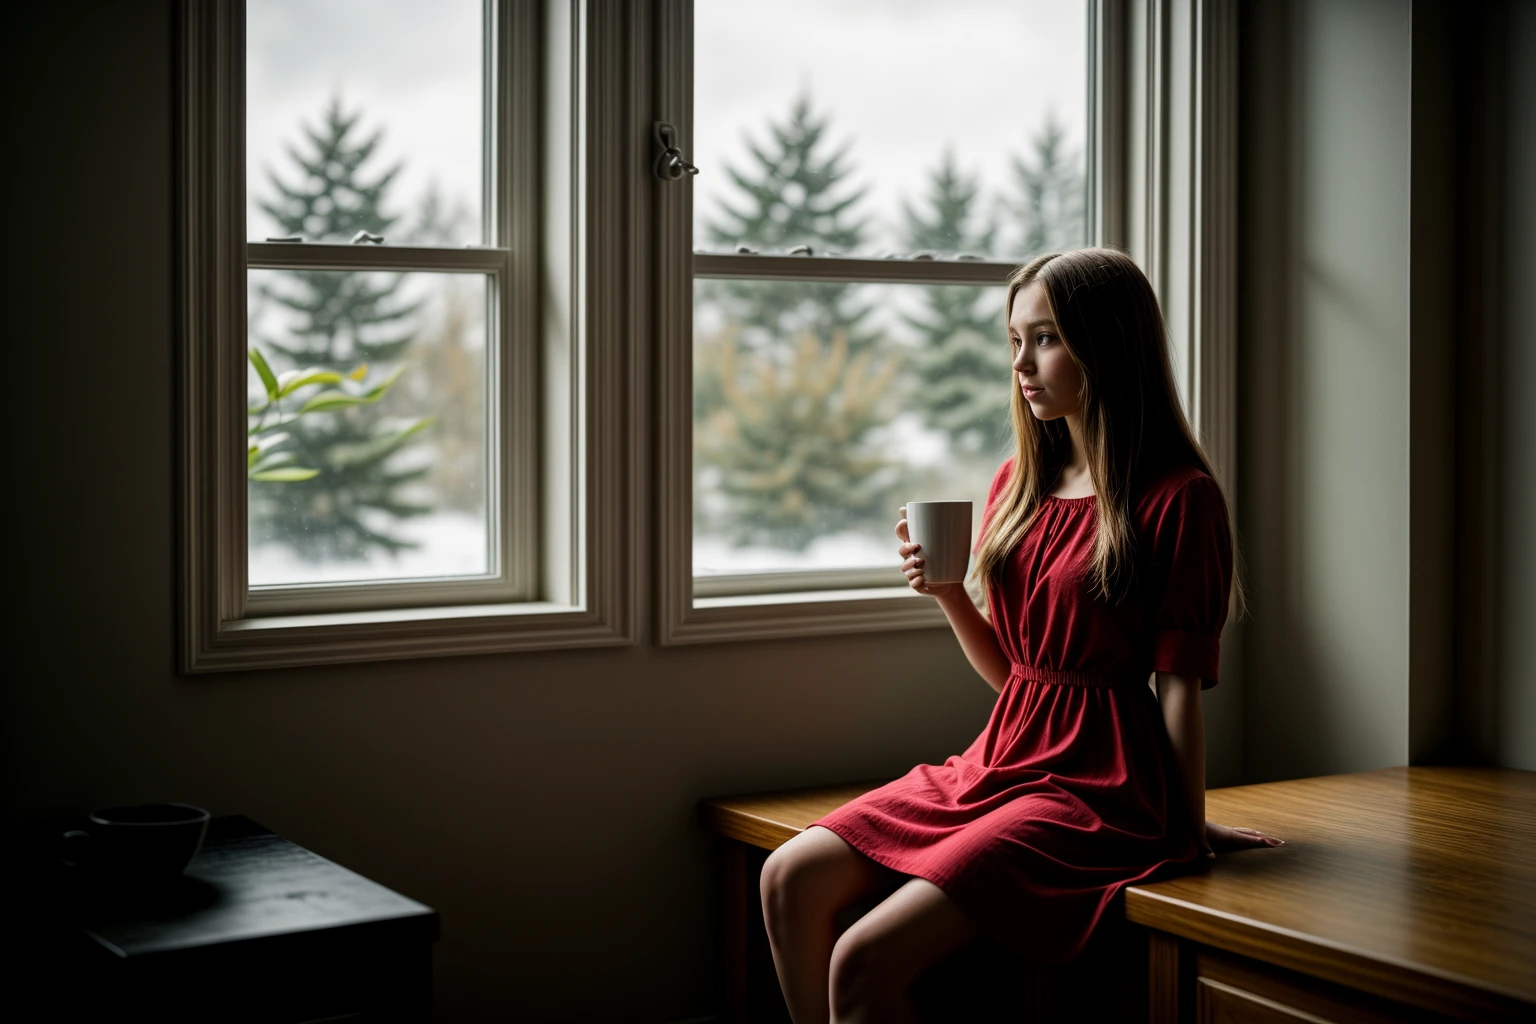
1191,577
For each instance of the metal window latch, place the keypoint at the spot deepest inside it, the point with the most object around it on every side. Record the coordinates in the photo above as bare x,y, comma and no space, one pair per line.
366,236
670,163
287,238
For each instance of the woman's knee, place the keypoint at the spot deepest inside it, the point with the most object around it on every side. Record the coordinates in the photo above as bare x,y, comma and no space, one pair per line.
815,873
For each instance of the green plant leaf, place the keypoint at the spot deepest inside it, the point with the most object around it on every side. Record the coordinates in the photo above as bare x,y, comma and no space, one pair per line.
272,461
273,424
271,440
378,447
264,372
359,373
379,390
290,474
292,380
421,424
329,401
251,454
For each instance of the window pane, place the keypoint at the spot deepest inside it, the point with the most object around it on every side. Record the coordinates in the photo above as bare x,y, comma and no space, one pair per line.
364,115
373,465
868,127
820,408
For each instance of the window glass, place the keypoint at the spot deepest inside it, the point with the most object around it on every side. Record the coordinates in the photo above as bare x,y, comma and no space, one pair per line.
870,127
368,426
819,408
365,115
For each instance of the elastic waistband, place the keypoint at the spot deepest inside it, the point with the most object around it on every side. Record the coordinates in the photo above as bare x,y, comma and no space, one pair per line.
1067,677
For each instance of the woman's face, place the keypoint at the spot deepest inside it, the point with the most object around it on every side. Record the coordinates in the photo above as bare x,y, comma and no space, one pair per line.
1046,374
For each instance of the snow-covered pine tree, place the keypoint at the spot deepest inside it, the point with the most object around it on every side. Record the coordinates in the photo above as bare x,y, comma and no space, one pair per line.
792,443
788,390
343,319
1048,205
791,196
962,358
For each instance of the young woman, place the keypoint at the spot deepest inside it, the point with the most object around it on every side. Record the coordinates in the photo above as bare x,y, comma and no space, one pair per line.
1106,556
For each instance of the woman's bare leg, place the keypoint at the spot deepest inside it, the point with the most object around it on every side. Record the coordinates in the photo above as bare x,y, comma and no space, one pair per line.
875,962
805,884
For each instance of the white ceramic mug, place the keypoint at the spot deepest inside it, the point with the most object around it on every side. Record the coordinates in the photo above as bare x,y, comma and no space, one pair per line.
942,530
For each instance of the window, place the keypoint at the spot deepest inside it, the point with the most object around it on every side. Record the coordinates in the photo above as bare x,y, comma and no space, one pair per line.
373,377
390,360
913,159
538,324
830,323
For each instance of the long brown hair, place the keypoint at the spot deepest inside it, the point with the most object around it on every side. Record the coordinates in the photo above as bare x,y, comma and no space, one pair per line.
1133,423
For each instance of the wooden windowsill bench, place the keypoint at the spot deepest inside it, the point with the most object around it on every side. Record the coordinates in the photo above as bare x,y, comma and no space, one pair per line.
1402,894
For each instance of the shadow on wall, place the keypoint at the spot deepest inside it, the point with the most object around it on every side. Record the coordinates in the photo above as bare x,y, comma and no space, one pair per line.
1286,680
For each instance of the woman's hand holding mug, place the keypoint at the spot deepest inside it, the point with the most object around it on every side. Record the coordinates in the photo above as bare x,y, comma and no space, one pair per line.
914,563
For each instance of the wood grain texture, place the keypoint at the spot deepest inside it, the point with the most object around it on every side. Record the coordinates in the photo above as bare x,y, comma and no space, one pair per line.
1417,884
1232,988
1165,978
769,820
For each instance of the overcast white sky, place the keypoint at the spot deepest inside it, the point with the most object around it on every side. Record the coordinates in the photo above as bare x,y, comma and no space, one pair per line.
412,67
900,78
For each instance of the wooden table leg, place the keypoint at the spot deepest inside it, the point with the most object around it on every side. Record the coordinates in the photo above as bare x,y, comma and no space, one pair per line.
1166,989
733,931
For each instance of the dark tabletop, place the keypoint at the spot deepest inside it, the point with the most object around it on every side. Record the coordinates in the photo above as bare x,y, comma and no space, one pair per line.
246,885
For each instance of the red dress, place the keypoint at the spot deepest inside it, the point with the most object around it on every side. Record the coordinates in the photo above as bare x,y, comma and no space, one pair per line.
1072,791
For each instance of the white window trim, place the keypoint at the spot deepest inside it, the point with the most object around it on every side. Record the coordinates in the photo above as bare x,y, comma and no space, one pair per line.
1162,186
585,303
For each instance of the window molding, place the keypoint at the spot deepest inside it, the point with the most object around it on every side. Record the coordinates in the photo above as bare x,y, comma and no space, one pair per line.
579,284
1163,187
1181,209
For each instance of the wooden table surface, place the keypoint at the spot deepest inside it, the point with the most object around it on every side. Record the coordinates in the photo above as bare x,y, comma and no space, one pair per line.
1414,883
1417,884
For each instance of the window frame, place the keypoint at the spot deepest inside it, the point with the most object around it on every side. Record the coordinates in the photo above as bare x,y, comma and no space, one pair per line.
560,97
1161,186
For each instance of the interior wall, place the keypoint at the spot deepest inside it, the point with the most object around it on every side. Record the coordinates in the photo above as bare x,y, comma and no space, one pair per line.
1338,196
544,804
1515,728
1323,411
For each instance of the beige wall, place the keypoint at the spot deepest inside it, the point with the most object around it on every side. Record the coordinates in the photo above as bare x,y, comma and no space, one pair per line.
1329,277
1323,384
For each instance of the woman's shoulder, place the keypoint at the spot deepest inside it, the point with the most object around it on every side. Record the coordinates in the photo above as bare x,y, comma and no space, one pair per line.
1165,486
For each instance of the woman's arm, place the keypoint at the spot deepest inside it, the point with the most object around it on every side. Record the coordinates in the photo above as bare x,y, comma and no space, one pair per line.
1180,700
977,638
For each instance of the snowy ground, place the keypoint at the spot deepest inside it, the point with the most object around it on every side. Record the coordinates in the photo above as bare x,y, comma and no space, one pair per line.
452,544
